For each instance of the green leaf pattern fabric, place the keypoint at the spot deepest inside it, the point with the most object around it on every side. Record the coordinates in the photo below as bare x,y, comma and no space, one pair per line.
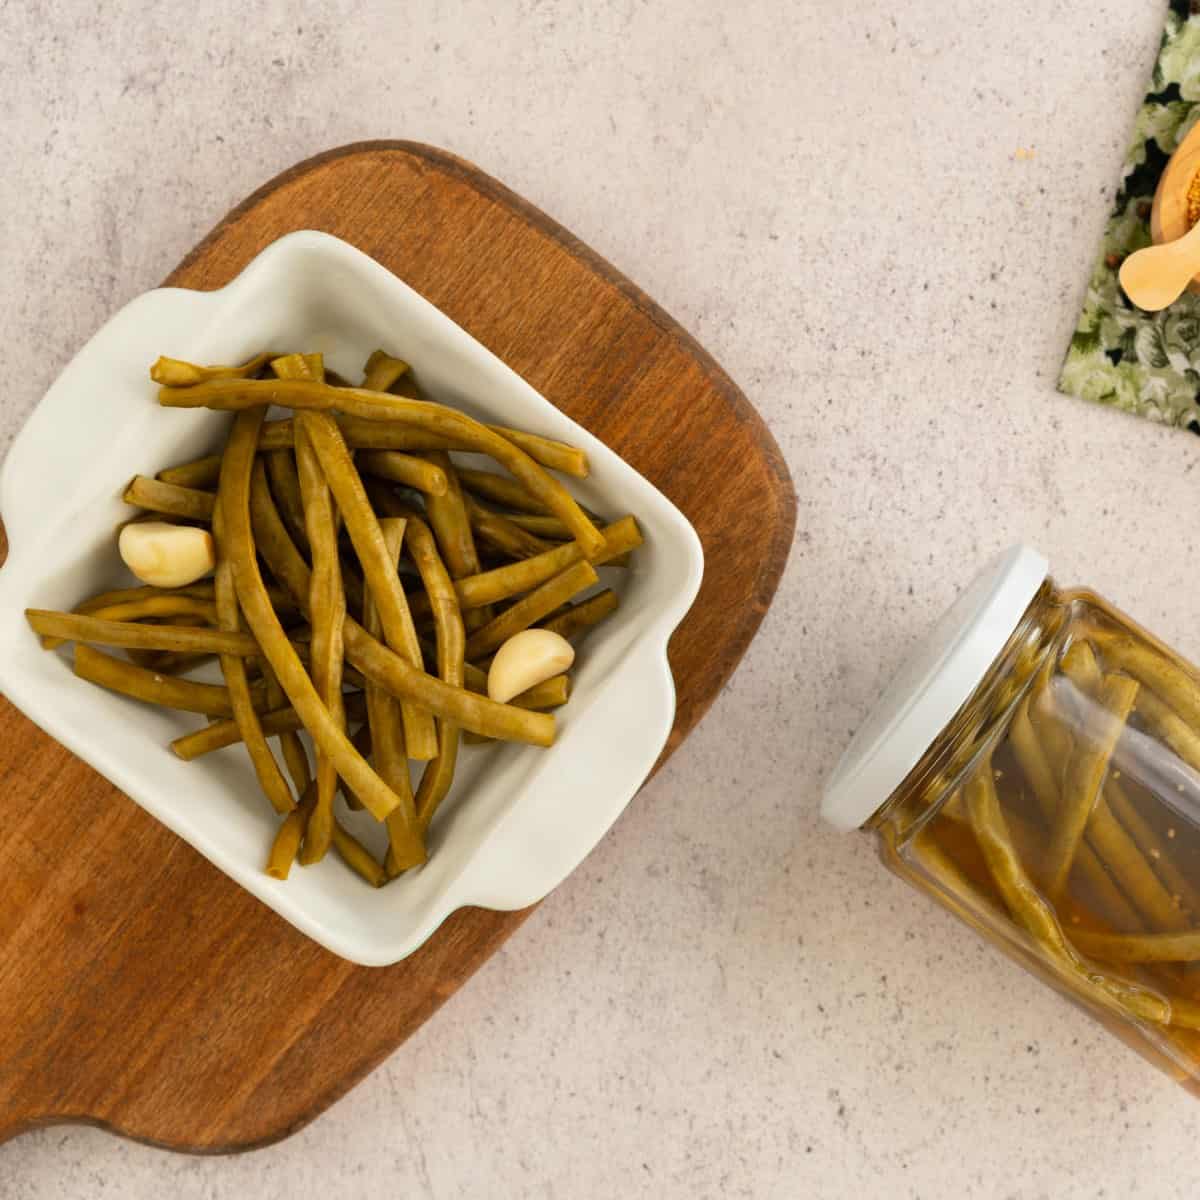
1145,363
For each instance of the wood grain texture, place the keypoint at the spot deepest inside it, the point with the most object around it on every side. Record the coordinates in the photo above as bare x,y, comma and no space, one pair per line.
142,990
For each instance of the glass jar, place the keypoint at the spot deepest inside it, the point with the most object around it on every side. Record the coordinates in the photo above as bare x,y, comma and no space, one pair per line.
1035,768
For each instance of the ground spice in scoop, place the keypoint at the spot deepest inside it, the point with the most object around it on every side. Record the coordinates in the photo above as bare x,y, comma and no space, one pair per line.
1193,200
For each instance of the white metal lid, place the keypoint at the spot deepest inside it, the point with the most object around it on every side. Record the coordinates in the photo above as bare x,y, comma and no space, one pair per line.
934,683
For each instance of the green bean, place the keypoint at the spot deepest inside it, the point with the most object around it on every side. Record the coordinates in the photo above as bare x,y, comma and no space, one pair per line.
287,837
540,525
1081,667
169,498
114,606
531,608
196,591
381,371
203,473
363,434
295,757
193,591
327,601
1139,947
74,627
361,741
503,583
1031,758
578,618
558,456
276,721
451,647
119,676
174,372
550,693
501,490
448,518
285,487
157,606
266,769
407,469
1030,911
301,394
501,534
1162,720
1023,900
420,736
1085,773
378,798
378,663
1106,835
357,857
1178,688
327,611
406,848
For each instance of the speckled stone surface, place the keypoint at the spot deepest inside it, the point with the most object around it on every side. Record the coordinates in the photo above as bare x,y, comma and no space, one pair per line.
879,217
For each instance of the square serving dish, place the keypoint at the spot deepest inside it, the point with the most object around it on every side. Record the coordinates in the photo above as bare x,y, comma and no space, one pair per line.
518,820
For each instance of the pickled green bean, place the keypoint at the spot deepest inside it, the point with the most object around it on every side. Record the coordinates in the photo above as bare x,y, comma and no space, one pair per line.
301,394
503,583
327,614
266,769
167,692
1179,689
1080,665
285,487
382,370
1139,947
97,631
274,721
1030,910
1084,779
295,757
585,615
1161,719
406,847
287,839
497,531
1031,758
202,474
174,372
169,498
378,798
407,469
451,649
377,663
357,857
420,736
558,456
500,490
531,608
364,434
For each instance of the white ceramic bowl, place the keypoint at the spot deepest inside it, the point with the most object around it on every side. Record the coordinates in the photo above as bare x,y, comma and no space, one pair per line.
518,820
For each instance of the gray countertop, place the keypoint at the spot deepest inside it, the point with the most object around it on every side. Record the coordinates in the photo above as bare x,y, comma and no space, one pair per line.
879,218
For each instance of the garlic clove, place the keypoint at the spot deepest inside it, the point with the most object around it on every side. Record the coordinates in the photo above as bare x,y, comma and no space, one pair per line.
525,660
165,555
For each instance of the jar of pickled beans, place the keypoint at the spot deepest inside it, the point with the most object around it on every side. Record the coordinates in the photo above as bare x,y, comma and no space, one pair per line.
1035,768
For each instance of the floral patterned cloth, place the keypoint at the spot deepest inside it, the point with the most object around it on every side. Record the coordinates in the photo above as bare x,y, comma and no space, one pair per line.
1145,363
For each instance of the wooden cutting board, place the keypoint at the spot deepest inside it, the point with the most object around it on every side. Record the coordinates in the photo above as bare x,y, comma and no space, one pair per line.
143,991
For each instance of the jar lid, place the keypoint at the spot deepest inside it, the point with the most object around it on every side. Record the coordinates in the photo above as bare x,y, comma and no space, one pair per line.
934,683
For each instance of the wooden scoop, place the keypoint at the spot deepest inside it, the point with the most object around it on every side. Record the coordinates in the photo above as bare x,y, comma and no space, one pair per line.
1157,275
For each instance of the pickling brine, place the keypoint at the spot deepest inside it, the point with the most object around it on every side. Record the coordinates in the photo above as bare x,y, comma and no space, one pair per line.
1056,806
